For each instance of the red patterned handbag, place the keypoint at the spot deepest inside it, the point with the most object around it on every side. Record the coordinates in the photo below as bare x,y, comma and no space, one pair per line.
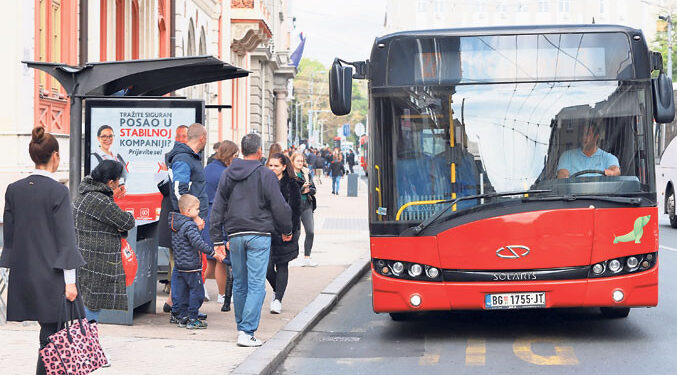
74,350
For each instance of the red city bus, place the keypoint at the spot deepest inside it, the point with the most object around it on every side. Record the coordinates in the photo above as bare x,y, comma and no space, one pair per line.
511,167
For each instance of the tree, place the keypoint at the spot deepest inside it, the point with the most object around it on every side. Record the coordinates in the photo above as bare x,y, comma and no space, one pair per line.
660,44
311,92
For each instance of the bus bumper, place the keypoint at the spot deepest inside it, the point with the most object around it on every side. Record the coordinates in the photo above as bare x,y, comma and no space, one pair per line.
394,295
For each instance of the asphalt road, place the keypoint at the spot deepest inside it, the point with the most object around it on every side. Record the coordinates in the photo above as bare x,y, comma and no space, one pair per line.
352,339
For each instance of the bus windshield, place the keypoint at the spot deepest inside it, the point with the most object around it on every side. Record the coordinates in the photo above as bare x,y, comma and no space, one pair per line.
572,138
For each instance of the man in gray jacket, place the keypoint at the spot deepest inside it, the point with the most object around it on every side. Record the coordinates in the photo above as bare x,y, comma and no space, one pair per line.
248,206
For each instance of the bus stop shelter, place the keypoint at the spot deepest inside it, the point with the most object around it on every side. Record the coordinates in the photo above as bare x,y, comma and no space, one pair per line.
143,79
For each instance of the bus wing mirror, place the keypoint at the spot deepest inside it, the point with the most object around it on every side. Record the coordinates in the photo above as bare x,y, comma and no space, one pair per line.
340,88
663,99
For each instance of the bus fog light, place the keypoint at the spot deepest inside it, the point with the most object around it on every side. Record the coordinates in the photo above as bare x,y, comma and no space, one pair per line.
617,295
415,300
432,272
385,270
415,270
598,269
645,264
649,256
615,265
398,267
632,262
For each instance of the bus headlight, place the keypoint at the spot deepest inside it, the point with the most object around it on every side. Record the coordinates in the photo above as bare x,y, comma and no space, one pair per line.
398,267
415,270
432,272
615,265
623,265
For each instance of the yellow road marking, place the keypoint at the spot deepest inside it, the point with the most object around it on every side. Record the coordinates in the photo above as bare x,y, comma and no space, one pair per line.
476,352
430,357
564,353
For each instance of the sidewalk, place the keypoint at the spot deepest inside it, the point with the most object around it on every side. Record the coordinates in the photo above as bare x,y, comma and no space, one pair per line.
153,346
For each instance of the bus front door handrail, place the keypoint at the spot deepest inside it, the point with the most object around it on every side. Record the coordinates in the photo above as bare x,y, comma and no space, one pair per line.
415,203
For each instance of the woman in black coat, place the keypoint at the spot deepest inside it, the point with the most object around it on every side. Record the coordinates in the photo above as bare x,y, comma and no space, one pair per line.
99,224
39,243
281,252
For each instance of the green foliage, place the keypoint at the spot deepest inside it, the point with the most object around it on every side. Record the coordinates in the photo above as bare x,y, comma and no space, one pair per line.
660,44
311,91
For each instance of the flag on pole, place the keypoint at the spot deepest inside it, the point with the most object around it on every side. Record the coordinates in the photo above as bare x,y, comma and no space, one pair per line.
298,52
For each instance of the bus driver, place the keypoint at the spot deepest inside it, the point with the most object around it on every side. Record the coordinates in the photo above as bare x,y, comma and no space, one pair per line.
588,157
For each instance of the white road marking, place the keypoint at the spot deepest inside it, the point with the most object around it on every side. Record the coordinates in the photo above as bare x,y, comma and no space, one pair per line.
668,248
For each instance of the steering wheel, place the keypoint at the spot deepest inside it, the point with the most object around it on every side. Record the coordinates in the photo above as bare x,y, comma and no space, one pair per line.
586,172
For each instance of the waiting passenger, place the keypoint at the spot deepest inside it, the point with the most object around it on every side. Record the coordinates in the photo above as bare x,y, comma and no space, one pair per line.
588,157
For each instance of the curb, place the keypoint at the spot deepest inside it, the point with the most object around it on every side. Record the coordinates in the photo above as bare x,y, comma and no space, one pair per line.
264,360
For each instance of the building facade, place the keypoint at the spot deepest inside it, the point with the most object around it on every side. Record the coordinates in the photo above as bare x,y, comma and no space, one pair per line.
71,32
251,34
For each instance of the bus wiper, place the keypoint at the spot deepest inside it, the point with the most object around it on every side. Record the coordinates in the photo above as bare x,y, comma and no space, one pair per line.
607,198
419,228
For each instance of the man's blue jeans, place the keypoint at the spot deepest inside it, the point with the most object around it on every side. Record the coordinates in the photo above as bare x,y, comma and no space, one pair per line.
249,256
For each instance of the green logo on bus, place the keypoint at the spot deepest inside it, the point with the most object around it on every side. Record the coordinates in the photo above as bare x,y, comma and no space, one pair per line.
637,231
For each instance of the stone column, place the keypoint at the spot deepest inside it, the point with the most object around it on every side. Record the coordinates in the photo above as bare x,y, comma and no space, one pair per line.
281,117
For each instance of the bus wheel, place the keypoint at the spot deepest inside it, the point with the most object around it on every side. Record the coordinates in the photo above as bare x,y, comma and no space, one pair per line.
399,317
671,209
615,312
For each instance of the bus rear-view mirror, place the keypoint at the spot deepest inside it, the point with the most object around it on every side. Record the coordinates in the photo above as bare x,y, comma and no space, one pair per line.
663,99
340,88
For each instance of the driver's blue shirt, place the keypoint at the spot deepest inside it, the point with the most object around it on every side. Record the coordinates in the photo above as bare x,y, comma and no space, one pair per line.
575,161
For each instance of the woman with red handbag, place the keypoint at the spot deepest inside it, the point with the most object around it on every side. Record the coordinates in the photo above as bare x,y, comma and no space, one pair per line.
39,242
99,225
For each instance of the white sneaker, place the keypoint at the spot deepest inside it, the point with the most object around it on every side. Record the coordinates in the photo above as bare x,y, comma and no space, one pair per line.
206,293
307,262
246,340
275,307
221,299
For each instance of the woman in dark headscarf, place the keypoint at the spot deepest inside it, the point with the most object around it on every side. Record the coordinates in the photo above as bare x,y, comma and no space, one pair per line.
39,243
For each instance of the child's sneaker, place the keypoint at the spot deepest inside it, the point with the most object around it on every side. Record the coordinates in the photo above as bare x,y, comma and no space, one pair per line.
173,319
196,324
183,322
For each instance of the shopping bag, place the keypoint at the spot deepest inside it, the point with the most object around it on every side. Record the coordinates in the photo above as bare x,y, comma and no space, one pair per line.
75,349
129,262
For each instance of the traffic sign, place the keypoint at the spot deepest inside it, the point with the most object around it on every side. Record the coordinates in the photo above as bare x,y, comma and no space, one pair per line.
359,129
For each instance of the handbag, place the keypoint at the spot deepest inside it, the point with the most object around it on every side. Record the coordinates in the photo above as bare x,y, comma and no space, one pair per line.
129,262
75,349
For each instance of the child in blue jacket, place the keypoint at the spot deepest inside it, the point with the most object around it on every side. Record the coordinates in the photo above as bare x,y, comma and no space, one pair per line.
187,243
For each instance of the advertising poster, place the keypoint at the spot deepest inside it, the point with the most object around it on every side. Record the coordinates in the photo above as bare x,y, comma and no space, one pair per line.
137,133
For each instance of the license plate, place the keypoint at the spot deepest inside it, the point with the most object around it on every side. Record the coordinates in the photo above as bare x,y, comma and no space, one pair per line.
514,300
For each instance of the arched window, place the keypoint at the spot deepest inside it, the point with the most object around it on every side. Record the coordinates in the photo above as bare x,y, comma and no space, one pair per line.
202,49
190,44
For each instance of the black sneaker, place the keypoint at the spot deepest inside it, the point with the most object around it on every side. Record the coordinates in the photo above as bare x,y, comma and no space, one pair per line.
173,319
183,322
201,316
166,308
196,324
226,306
